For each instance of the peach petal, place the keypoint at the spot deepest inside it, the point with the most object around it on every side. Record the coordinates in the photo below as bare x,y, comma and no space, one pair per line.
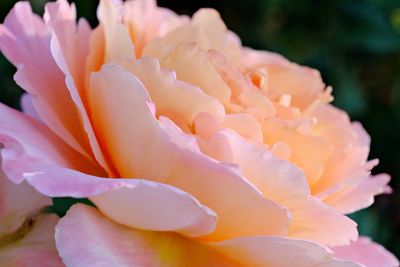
285,184
245,125
25,41
161,207
207,77
367,253
27,143
118,44
309,153
146,21
36,248
264,251
360,195
60,17
104,243
163,87
208,32
240,207
303,84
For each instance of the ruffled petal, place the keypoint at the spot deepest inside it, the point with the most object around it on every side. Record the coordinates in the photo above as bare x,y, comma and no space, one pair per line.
25,41
285,184
163,88
70,47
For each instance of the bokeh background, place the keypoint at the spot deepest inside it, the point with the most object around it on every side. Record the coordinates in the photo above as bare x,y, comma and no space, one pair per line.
354,44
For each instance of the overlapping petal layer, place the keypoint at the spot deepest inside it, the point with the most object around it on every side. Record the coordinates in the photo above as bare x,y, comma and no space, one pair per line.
196,150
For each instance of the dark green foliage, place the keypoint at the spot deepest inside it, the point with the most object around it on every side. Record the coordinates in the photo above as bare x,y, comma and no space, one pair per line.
355,45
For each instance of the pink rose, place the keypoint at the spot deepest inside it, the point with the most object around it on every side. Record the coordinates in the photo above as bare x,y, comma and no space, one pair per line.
195,150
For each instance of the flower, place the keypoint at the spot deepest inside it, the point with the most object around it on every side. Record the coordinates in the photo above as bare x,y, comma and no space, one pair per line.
26,236
195,150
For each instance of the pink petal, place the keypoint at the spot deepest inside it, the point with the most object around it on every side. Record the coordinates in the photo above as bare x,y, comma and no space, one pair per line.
17,202
27,142
142,149
36,248
70,47
104,243
366,252
25,238
160,207
27,106
24,40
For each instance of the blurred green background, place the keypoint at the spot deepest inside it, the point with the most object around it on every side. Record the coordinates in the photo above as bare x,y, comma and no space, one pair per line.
354,44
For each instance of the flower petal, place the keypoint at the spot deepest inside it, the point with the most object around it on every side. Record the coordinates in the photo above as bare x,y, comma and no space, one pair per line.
264,251
27,106
36,248
104,243
134,147
27,142
118,44
285,184
366,252
163,87
360,195
161,207
70,47
25,41
17,202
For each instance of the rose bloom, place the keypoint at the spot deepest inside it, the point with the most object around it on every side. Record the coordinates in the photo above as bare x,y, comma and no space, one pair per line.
195,150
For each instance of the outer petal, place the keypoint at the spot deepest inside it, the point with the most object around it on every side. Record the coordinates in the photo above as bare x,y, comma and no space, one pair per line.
104,243
17,203
360,195
70,47
27,142
366,252
161,207
121,246
25,41
37,248
142,149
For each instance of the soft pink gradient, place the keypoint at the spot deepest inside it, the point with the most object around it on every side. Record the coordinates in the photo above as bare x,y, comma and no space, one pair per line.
21,245
180,135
